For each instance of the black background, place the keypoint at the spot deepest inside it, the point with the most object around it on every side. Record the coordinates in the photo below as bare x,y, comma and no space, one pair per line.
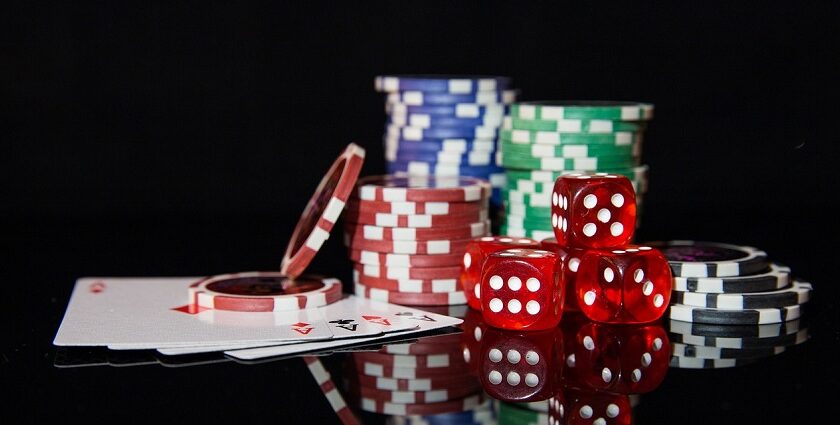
185,140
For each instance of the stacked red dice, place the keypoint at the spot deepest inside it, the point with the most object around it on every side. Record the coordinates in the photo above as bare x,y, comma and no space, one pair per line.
593,217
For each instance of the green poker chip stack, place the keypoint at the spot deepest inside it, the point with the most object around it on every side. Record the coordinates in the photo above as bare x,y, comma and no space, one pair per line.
540,141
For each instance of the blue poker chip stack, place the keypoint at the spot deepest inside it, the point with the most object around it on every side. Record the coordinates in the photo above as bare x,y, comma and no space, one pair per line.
445,125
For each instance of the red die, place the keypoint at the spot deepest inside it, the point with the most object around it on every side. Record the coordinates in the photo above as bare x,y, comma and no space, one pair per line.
572,406
477,251
519,366
569,260
619,359
593,210
628,285
521,289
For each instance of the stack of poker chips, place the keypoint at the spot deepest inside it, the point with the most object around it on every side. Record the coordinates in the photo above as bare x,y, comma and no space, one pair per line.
424,380
407,236
441,125
731,305
540,141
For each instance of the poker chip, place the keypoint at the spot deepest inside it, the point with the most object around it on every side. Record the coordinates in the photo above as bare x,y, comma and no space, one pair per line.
417,208
566,164
784,340
418,167
704,352
404,260
712,259
422,189
430,247
420,133
548,177
797,293
407,272
439,286
594,126
434,121
427,146
421,98
734,317
773,330
452,160
527,137
452,84
428,361
409,298
264,291
323,210
459,110
380,370
569,150
777,277
600,110
371,232
415,384
377,406
417,397
416,220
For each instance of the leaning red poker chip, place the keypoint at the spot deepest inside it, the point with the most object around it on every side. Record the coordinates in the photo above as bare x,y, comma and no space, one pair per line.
432,247
428,273
323,210
416,208
378,233
408,298
408,286
417,397
264,291
415,221
404,260
331,393
417,384
429,361
377,406
423,189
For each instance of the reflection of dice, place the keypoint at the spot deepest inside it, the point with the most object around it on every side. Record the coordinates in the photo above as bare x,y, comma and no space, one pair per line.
629,359
474,330
568,260
571,406
521,366
593,210
521,289
627,285
477,251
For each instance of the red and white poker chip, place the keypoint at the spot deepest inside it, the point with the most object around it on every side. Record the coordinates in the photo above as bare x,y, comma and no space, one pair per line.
377,406
331,393
407,298
409,286
423,189
403,273
416,384
416,361
404,260
417,397
264,291
416,221
417,208
377,233
323,210
431,247
385,371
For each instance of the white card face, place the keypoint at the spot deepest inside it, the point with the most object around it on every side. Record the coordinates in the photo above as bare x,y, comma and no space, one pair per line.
424,321
377,318
141,313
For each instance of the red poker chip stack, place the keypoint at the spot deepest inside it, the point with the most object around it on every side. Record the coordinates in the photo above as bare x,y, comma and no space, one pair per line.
407,236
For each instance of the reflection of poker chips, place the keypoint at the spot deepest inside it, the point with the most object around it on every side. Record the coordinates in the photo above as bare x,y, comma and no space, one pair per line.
429,273
422,189
734,317
704,352
679,362
431,247
385,371
322,377
601,110
417,361
452,84
785,340
377,406
414,384
264,291
711,259
415,348
798,293
408,298
418,397
773,330
776,277
322,211
371,232
404,260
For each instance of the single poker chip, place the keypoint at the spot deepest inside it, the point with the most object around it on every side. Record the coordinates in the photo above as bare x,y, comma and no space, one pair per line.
428,361
331,393
458,405
438,286
421,98
440,145
416,221
777,277
416,384
437,121
734,317
417,208
458,110
385,371
680,362
431,168
784,340
264,291
467,159
569,151
526,137
573,125
772,330
797,293
567,164
417,397
407,298
704,352
583,109
422,189
432,247
419,133
323,210
452,84
378,233
407,272
712,259
404,260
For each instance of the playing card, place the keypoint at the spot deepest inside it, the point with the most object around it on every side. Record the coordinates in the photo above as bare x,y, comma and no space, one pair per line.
138,313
